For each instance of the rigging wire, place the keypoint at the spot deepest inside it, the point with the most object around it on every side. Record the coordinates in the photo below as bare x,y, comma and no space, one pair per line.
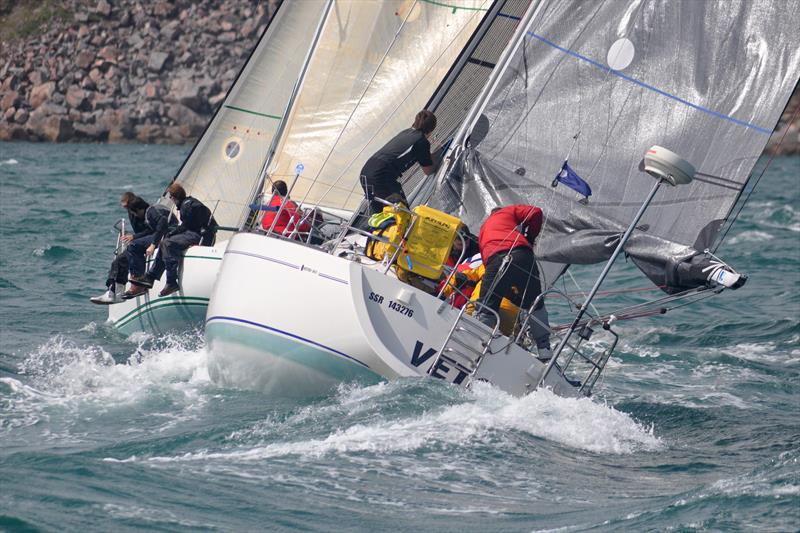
388,115
755,184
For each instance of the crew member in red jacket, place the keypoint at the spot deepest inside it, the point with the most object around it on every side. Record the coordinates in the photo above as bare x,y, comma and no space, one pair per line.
506,245
289,216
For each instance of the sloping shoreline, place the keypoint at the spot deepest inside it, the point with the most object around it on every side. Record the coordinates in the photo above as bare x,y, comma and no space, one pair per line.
126,71
148,72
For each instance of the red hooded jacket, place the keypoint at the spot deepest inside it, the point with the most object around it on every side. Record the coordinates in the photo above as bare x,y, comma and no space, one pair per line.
288,218
500,232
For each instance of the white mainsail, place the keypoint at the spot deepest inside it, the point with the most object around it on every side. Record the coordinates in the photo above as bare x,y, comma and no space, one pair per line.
375,66
224,166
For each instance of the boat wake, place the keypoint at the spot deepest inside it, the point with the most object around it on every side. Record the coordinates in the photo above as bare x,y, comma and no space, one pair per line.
413,417
64,382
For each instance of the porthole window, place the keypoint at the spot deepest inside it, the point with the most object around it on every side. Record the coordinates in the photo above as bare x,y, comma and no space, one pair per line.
232,149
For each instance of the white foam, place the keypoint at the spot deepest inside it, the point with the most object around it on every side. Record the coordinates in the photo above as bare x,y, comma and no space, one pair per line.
151,515
9,162
750,351
750,236
64,373
90,328
755,485
577,423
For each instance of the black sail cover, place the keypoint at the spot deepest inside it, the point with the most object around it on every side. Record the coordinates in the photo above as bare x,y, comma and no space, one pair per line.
706,80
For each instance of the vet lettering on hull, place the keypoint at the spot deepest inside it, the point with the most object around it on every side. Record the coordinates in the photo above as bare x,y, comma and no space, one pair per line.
442,370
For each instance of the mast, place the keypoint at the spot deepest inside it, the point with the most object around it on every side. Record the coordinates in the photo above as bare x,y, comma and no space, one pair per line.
489,88
282,125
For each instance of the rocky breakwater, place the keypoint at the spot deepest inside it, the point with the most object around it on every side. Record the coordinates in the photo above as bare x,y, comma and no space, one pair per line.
785,140
148,71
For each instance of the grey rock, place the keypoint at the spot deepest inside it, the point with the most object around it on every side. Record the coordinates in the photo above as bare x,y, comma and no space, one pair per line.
50,109
183,115
109,53
149,133
10,100
41,93
226,37
103,8
14,132
85,59
91,132
76,98
21,116
135,40
157,61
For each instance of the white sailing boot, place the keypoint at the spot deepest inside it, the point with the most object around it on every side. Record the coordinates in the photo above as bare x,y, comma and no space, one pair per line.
111,296
107,298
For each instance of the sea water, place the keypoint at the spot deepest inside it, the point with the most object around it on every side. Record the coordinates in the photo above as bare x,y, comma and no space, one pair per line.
694,427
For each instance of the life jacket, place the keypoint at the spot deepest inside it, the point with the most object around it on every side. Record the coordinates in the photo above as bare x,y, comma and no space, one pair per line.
470,273
390,224
508,311
287,220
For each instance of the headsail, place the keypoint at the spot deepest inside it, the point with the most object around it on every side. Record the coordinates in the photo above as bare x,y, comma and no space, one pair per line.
375,66
225,164
707,80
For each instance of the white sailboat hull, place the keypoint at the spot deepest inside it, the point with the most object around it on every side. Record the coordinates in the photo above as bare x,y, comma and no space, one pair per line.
293,320
179,311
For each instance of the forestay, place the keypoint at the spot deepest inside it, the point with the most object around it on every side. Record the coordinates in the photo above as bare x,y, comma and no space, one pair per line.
375,66
708,80
225,165
460,88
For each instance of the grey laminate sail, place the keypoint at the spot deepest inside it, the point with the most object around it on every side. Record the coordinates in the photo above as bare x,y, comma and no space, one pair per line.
707,80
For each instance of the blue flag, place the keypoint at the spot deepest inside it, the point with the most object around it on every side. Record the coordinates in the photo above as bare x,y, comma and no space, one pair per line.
568,177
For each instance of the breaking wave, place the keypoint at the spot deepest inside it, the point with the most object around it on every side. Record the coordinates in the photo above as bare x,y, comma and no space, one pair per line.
483,418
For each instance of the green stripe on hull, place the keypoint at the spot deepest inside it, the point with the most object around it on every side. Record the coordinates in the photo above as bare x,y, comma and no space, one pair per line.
154,303
336,368
159,316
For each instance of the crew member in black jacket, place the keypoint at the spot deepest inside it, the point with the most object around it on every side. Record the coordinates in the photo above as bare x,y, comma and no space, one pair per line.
159,221
381,172
197,227
118,273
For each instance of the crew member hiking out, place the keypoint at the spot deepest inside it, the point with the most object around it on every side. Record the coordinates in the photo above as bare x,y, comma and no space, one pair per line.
379,177
197,227
157,217
118,273
506,246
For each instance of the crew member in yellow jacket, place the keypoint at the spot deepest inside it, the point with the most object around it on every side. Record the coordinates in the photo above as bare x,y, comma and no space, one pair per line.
508,311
